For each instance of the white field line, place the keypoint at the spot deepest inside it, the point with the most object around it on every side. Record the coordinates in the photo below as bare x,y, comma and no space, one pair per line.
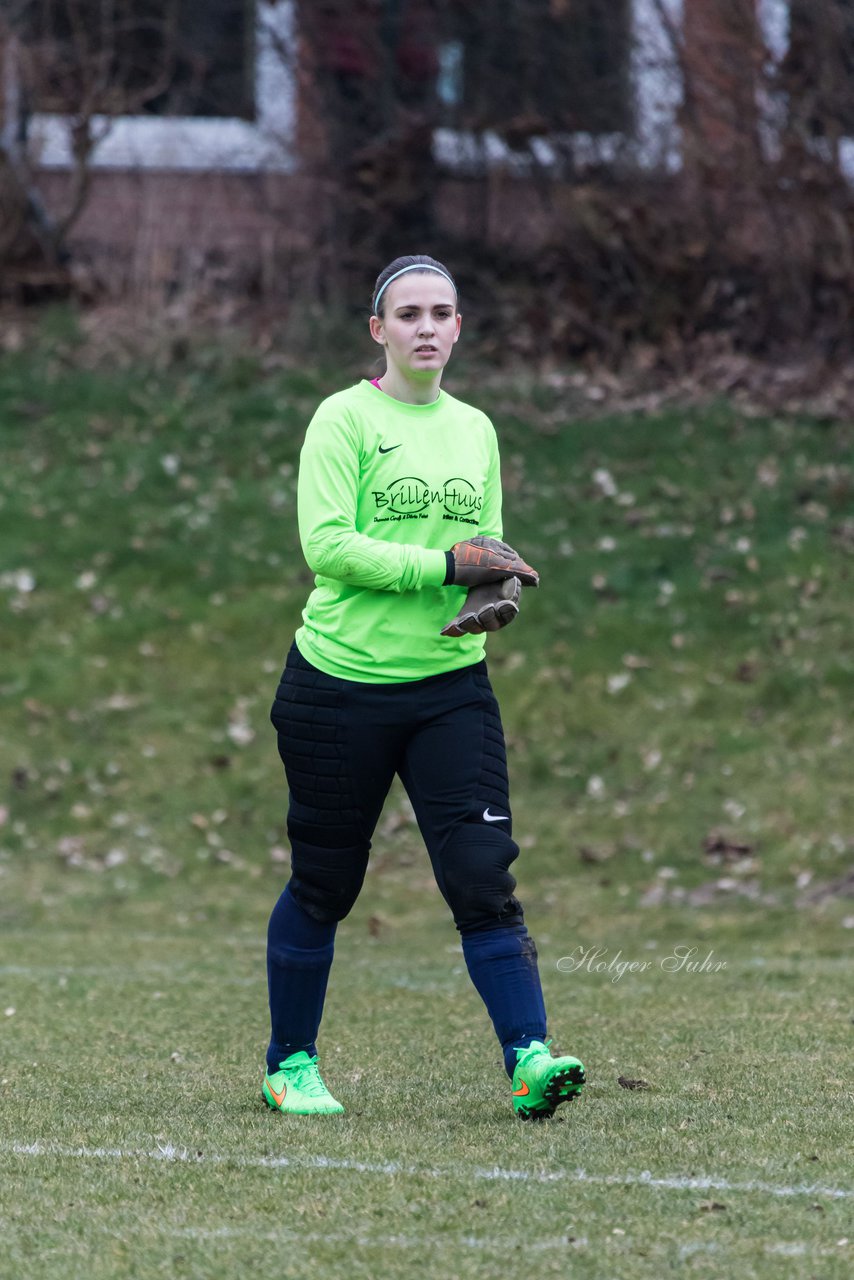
483,1244
172,1154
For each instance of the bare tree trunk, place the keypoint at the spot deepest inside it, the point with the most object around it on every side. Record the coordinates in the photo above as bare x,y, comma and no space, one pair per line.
29,240
722,59
369,106
73,51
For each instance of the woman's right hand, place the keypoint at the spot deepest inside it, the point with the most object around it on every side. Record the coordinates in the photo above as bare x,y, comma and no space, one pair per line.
489,607
481,559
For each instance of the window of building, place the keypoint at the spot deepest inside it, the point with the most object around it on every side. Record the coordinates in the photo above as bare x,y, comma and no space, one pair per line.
159,57
818,68
538,66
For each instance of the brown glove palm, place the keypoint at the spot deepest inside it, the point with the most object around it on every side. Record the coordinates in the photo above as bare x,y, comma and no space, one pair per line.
486,608
482,559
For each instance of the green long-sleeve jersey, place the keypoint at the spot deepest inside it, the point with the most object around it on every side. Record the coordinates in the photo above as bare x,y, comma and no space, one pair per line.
385,489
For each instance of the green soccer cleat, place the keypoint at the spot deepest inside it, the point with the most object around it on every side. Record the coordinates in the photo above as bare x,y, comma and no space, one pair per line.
541,1083
297,1089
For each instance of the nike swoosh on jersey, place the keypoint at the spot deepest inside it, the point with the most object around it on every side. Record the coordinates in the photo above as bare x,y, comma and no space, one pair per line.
494,817
389,449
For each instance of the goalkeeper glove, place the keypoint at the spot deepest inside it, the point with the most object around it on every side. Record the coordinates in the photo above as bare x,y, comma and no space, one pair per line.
486,608
481,559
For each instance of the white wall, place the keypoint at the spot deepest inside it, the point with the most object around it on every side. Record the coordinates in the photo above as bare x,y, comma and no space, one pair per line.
657,81
194,143
164,142
656,90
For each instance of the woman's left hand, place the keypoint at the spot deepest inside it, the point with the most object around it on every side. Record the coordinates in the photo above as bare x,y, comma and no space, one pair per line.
486,608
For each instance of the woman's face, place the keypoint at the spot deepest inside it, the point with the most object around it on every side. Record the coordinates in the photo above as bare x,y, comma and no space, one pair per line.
420,325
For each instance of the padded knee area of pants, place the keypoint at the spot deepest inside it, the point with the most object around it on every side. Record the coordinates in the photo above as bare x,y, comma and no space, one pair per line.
326,882
476,880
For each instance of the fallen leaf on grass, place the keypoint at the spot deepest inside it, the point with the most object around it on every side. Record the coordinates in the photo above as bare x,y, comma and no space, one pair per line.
635,663
707,894
717,573
118,702
397,820
71,850
841,888
842,535
587,853
618,682
718,847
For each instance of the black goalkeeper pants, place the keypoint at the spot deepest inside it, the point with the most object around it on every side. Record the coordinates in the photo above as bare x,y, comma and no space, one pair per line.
343,741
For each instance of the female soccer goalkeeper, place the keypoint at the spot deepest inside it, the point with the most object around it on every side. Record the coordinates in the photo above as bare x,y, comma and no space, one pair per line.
400,519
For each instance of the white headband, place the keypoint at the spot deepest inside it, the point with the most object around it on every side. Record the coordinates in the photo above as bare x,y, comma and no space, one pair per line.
415,266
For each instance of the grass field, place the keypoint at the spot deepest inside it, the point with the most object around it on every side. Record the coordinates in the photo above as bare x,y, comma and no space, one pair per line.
677,700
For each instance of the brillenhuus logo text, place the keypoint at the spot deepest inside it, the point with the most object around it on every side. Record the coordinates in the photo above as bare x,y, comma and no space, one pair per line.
411,498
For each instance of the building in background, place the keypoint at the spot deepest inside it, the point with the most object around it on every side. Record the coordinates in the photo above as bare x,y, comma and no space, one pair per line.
223,131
